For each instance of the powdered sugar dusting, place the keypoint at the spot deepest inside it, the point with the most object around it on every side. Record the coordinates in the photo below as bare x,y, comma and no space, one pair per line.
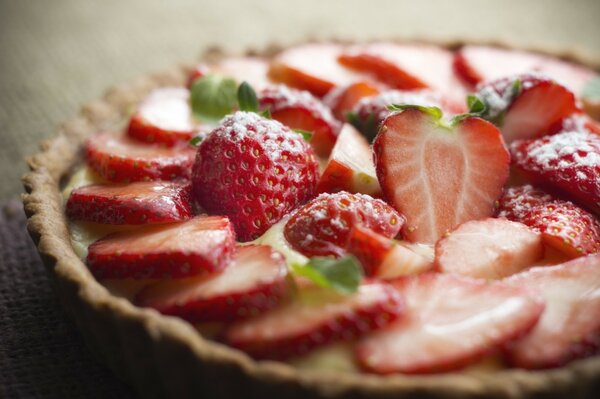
567,149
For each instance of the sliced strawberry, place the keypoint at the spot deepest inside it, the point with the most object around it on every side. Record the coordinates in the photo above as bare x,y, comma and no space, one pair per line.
255,171
350,166
570,325
574,77
382,257
368,114
489,248
254,281
201,245
122,160
439,176
565,227
254,70
322,226
407,66
578,122
304,324
164,117
528,108
312,67
301,110
342,99
450,322
568,163
134,203
477,64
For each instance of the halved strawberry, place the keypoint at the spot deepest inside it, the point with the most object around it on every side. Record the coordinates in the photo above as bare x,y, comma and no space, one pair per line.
570,325
407,66
382,257
254,281
526,106
134,203
254,70
342,99
439,176
350,166
450,322
369,112
489,248
164,117
299,109
121,159
312,67
255,171
304,324
322,226
565,227
568,163
200,245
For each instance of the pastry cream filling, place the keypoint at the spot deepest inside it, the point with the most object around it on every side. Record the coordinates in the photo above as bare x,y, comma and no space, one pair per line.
333,357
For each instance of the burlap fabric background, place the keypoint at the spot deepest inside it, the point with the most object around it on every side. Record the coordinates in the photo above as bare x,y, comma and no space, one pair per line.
57,54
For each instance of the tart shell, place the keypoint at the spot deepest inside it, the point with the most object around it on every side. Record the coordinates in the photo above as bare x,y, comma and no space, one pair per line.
164,356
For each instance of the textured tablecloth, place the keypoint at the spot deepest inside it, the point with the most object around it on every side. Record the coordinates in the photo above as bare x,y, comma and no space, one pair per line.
56,55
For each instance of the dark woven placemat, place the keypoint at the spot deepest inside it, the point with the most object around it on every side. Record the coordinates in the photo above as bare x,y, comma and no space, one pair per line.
41,353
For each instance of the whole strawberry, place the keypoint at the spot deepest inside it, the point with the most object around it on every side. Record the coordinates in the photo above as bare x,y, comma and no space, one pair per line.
253,170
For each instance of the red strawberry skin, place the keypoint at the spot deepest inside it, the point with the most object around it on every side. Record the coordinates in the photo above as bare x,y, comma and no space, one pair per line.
369,248
254,281
322,226
578,122
163,117
450,322
255,171
298,327
570,325
301,110
564,226
134,203
198,246
531,112
123,160
342,99
439,177
568,163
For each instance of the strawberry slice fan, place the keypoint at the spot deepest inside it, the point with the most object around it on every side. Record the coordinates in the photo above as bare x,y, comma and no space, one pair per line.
385,209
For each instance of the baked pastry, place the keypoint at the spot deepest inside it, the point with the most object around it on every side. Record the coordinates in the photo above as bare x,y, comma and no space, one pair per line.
422,310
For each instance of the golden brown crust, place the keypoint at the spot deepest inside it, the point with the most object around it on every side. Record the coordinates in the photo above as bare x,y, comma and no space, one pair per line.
166,357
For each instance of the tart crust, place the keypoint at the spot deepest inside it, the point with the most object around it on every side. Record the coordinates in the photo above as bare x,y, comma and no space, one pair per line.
164,356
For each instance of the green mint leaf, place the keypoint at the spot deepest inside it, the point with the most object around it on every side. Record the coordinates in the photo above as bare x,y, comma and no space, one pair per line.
305,134
213,97
195,141
433,111
475,104
266,113
341,275
246,97
591,90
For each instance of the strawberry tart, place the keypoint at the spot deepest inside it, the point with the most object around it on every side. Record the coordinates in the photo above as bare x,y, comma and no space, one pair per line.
327,220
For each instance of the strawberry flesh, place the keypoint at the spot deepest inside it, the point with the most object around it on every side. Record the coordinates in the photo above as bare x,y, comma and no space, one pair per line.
200,245
342,99
436,176
301,110
134,203
570,325
254,281
489,248
121,159
322,226
450,322
253,170
350,166
164,117
302,325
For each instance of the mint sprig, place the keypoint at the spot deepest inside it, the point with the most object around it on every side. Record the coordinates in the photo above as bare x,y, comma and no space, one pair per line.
212,97
341,275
